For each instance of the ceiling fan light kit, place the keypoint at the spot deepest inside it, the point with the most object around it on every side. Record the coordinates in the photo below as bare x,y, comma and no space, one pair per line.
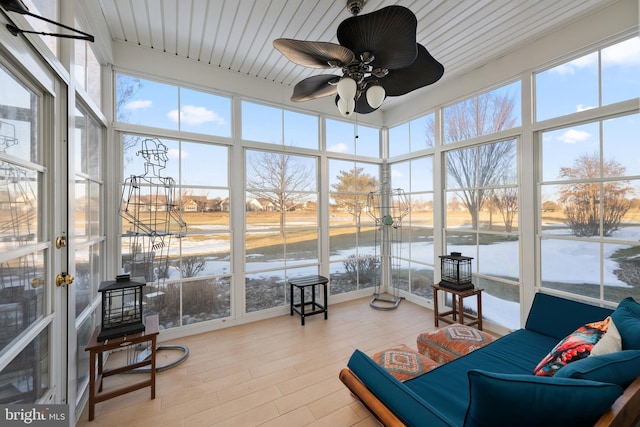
375,96
378,56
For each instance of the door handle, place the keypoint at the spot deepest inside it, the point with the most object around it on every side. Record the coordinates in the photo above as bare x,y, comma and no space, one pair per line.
64,279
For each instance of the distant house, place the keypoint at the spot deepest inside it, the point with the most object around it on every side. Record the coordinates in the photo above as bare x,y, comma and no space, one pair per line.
309,206
260,205
190,206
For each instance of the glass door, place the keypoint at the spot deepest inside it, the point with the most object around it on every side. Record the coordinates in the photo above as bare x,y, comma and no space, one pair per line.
86,243
29,297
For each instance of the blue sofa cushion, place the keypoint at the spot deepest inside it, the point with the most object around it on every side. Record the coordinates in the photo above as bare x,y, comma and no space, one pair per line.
627,320
619,368
505,400
573,347
558,317
402,401
446,386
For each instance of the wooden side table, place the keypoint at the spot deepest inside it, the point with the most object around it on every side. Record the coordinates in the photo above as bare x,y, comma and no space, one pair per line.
457,314
316,308
97,348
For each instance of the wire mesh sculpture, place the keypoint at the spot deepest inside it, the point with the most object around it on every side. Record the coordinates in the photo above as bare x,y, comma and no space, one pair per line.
18,227
149,205
388,208
22,292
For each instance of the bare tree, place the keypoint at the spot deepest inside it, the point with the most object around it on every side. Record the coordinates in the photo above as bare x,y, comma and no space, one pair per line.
506,201
482,115
585,201
192,265
474,169
477,168
352,189
281,179
126,88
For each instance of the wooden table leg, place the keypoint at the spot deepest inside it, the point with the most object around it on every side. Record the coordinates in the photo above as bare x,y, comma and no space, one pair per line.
435,307
153,367
479,310
326,302
92,384
291,297
302,305
454,307
460,309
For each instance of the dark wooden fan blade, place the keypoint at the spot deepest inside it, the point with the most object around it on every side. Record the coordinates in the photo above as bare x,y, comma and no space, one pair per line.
424,71
315,87
314,54
388,33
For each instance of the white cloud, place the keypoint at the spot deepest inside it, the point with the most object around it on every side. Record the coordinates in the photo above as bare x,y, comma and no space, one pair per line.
139,104
193,115
174,153
581,107
396,173
571,67
339,148
573,136
624,54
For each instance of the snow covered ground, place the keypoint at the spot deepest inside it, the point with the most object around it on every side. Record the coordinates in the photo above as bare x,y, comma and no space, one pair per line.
559,257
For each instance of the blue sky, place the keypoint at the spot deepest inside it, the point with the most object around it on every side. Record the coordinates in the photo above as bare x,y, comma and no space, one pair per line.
561,90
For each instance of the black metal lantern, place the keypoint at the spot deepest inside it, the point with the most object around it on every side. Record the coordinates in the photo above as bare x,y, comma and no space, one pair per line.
121,307
456,271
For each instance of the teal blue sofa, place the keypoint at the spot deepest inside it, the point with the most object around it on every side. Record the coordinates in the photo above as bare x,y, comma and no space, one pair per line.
495,386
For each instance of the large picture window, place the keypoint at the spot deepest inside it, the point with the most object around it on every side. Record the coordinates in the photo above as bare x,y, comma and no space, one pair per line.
590,209
413,243
353,250
481,221
282,225
176,227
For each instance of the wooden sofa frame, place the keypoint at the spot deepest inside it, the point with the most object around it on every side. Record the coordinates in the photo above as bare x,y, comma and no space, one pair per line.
625,411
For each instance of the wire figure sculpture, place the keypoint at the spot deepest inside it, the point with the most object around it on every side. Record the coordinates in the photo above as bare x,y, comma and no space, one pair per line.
22,294
149,205
18,222
387,208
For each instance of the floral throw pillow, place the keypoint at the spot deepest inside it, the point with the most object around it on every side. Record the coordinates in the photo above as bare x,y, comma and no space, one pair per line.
575,346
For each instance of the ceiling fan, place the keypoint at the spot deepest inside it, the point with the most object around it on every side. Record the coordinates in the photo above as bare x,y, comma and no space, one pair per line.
378,56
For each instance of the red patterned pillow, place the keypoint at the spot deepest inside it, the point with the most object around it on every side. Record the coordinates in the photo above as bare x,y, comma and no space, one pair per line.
575,346
403,362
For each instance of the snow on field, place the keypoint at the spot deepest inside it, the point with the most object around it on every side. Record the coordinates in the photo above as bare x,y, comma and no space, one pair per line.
567,261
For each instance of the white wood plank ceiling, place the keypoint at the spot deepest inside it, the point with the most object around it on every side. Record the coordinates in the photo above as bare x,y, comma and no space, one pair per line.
237,34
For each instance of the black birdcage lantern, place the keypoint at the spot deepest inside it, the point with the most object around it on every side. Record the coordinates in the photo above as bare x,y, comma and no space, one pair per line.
121,307
456,271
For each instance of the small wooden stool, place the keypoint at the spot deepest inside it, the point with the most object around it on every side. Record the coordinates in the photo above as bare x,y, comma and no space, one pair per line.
316,308
457,314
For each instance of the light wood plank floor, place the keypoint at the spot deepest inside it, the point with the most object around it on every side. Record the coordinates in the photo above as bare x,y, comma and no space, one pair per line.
273,372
